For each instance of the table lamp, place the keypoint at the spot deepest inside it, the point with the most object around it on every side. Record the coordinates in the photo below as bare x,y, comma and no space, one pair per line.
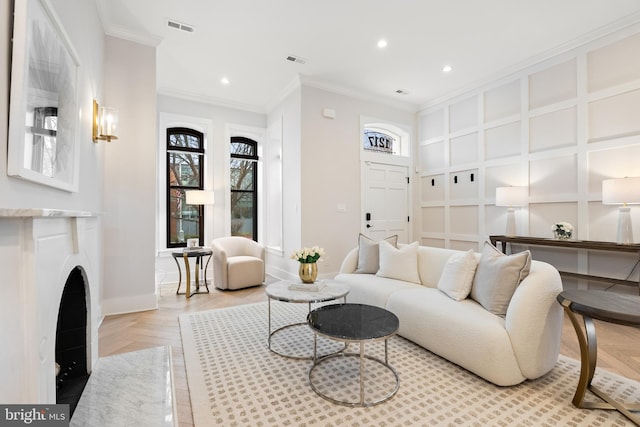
512,197
199,198
622,191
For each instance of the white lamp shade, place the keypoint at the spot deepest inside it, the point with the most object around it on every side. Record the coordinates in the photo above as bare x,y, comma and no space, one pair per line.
199,197
511,196
621,191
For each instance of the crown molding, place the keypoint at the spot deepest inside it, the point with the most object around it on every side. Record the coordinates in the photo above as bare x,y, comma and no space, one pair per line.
518,68
144,39
291,87
364,96
210,100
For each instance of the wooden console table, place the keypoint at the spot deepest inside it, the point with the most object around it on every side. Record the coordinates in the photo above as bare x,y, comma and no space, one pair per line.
589,245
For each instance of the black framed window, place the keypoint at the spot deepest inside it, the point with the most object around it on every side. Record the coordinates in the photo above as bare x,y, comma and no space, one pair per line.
185,166
244,187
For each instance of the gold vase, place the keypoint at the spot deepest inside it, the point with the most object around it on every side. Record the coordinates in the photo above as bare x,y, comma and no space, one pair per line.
308,272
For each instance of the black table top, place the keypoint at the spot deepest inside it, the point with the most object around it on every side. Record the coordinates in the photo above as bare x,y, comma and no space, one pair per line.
353,322
191,252
607,306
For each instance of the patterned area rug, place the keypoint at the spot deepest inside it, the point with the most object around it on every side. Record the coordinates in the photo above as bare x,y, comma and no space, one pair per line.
234,380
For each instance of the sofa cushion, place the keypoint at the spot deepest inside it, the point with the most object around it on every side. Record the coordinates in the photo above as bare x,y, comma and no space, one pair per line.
457,276
371,289
399,264
369,254
497,277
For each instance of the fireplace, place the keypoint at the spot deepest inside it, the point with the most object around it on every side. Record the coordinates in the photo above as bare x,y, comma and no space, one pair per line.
49,303
71,341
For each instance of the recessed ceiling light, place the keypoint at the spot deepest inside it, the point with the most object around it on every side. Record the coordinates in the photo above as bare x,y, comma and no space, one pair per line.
382,43
224,81
447,68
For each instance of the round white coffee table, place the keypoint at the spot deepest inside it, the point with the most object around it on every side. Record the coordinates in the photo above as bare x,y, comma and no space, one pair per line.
279,291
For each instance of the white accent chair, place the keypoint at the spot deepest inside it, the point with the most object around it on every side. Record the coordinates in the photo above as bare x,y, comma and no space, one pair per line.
238,262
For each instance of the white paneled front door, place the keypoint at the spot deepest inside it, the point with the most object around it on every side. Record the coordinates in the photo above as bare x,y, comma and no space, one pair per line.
386,202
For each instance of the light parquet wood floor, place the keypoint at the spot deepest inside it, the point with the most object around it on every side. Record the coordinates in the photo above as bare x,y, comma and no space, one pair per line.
618,346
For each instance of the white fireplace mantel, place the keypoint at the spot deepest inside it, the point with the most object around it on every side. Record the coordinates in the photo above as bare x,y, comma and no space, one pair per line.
38,250
41,212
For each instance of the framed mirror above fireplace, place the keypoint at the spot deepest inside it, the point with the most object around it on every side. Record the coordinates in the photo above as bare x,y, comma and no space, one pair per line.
43,111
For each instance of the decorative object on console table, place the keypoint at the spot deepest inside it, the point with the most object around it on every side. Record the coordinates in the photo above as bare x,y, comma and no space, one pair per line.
622,191
562,230
512,197
308,258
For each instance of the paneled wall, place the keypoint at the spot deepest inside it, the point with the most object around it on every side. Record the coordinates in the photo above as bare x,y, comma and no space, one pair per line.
559,128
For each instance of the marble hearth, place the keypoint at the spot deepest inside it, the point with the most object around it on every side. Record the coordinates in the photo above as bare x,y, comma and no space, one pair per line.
40,249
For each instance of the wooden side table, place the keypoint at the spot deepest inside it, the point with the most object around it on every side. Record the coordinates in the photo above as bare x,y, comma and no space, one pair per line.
198,254
607,307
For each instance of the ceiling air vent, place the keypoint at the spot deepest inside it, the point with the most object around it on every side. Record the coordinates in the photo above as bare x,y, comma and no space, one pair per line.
180,26
297,59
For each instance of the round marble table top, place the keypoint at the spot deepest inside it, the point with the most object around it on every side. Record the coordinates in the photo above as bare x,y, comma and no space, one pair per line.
329,290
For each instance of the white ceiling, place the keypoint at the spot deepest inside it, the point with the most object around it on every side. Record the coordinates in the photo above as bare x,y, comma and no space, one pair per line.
247,42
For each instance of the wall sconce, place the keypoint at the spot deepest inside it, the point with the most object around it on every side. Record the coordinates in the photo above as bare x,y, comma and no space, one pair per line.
622,191
105,123
512,197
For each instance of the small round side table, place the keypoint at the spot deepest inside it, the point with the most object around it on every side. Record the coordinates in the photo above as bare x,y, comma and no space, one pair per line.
198,254
607,307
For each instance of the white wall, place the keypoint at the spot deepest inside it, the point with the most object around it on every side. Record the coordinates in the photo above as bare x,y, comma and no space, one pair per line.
129,219
558,127
82,24
330,169
288,112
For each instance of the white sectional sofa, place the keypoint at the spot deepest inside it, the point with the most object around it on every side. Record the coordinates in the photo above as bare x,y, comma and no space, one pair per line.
505,350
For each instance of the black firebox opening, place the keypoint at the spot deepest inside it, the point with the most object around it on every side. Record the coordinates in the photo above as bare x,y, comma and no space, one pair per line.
71,341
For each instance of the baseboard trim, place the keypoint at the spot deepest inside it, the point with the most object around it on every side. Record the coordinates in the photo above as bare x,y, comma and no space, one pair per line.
129,304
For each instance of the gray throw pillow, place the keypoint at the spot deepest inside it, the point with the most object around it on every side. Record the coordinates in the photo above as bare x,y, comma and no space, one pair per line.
369,254
497,277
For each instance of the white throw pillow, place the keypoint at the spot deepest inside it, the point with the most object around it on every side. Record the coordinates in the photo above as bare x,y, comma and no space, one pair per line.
399,264
457,276
369,254
497,278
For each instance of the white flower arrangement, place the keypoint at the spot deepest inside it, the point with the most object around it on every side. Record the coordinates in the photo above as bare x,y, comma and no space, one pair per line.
562,230
308,255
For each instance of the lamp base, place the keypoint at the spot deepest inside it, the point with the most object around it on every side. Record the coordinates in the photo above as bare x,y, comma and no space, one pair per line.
511,222
625,231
